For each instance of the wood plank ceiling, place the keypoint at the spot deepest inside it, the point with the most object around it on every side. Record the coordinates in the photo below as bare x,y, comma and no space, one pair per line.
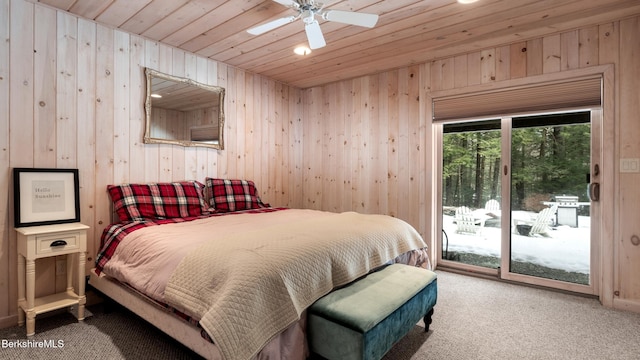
408,31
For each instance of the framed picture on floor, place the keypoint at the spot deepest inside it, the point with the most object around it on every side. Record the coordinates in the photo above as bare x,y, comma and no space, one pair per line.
45,196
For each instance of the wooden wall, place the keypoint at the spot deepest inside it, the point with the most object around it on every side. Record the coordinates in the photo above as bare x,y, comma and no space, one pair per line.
627,236
365,146
367,141
72,96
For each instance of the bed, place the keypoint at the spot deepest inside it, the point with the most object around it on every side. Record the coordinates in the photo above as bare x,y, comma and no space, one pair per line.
229,276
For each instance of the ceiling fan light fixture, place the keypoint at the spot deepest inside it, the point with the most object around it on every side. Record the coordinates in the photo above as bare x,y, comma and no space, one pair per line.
302,50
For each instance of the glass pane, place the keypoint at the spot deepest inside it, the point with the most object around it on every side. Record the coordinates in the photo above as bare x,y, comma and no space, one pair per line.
550,235
471,193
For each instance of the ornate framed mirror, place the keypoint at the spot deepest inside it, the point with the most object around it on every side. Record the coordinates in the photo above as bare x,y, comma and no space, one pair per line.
181,111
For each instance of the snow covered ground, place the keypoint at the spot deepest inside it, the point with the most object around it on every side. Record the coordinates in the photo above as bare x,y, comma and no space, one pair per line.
566,248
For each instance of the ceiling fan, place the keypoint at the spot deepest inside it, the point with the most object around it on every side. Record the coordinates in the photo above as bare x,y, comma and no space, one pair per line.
307,11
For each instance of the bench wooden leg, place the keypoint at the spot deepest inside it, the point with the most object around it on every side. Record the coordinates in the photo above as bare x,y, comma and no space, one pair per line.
427,320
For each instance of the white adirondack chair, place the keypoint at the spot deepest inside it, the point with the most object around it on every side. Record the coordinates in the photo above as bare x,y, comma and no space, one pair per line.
492,209
492,205
466,222
539,225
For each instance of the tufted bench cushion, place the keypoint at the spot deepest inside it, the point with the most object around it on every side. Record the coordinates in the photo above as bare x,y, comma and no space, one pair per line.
365,319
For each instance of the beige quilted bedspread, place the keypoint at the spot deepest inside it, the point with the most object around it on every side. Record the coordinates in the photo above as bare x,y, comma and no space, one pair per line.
249,287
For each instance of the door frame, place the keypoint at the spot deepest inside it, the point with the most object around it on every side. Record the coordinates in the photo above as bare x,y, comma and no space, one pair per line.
604,249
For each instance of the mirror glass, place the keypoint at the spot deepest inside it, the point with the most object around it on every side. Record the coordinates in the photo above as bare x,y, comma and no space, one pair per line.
183,112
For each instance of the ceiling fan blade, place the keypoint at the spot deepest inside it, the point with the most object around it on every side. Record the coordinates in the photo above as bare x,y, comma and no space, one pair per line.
289,3
351,17
314,35
261,29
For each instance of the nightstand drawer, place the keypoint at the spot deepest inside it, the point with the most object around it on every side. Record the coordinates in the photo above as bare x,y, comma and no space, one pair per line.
58,243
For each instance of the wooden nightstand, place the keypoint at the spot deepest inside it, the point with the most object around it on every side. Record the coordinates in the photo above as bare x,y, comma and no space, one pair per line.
37,242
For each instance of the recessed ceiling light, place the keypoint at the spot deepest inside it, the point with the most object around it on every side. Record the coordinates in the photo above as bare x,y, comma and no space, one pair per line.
466,1
156,96
302,50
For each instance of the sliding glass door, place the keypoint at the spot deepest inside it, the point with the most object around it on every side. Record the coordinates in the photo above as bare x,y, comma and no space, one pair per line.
550,162
514,198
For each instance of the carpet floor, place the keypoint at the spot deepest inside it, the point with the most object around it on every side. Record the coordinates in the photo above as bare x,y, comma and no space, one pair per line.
474,319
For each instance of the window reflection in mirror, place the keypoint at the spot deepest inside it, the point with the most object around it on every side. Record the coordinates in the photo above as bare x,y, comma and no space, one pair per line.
183,112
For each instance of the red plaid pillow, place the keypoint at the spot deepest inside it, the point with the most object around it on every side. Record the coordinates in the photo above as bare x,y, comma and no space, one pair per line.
233,195
135,202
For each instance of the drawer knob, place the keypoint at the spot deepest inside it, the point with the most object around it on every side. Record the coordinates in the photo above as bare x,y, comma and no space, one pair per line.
58,243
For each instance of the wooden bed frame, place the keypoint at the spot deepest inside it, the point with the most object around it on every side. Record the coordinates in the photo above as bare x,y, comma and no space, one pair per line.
178,329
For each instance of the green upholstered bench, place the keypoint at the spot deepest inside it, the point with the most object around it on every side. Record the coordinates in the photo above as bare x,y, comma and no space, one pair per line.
365,319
